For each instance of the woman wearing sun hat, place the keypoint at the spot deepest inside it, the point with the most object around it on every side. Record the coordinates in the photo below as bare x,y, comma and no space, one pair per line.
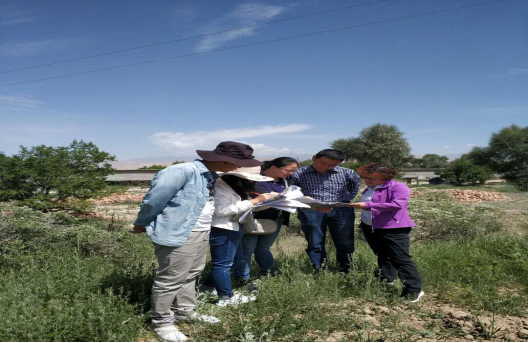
231,197
386,225
176,213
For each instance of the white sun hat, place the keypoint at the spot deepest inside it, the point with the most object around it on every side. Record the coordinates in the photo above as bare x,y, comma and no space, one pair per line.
248,173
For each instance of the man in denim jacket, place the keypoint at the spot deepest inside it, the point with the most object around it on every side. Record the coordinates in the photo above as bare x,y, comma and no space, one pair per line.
176,213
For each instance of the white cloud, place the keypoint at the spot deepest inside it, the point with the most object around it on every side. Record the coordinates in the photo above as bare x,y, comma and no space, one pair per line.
185,13
10,16
507,111
518,71
30,48
189,142
266,150
246,14
471,144
446,147
19,106
18,103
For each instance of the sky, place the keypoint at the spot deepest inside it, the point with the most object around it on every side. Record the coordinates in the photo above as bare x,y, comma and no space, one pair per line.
447,80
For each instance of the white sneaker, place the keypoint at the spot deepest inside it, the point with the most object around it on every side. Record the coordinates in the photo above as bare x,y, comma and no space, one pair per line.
169,333
236,299
414,300
206,289
195,317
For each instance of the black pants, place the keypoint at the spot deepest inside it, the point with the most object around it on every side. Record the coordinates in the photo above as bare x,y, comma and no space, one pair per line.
392,248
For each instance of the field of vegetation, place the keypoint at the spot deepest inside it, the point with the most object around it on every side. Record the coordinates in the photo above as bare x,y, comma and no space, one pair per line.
67,278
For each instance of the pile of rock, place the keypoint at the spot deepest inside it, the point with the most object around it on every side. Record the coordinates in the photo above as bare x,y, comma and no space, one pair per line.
462,195
476,196
118,198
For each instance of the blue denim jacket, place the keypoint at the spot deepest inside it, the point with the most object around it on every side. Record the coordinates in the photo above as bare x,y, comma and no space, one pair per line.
174,202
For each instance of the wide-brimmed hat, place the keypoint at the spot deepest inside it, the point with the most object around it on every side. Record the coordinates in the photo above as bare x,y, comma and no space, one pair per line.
239,154
251,174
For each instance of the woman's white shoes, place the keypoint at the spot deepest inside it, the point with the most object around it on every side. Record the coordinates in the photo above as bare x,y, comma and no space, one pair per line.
236,299
169,333
415,298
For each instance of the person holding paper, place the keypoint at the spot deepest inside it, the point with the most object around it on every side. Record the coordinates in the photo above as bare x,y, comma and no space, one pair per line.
176,213
277,169
324,181
386,224
232,196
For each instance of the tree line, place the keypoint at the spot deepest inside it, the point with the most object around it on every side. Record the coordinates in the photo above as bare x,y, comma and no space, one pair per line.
506,155
64,178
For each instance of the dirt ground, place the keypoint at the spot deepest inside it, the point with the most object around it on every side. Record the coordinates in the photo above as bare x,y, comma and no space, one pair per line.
429,321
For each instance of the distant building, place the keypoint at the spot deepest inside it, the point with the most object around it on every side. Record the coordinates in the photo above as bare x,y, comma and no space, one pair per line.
419,174
132,176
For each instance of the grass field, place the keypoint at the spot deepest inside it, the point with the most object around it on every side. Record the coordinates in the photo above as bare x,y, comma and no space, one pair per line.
489,187
70,279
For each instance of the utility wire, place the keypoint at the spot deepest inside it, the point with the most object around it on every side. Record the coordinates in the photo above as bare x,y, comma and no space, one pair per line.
257,43
188,38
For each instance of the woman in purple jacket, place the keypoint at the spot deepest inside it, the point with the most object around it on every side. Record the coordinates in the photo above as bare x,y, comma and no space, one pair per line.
386,225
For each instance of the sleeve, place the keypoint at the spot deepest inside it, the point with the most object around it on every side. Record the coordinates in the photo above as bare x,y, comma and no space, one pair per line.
399,199
224,205
293,179
164,187
353,183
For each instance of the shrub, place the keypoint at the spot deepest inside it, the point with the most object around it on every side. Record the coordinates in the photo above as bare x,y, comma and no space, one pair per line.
438,217
62,178
462,171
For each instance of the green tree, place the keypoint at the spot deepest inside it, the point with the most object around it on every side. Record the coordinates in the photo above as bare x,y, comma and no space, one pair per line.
433,161
507,154
378,143
45,177
154,166
462,171
177,162
346,145
305,163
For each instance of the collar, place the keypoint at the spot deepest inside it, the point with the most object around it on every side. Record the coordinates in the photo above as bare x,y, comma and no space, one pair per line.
387,184
203,169
311,169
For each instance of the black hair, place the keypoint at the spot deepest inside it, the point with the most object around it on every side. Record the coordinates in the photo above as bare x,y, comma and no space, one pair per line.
332,154
241,186
279,162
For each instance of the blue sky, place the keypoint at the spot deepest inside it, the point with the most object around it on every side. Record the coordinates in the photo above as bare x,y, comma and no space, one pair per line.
447,80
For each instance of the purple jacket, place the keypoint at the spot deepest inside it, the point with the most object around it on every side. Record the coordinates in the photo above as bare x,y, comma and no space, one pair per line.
389,206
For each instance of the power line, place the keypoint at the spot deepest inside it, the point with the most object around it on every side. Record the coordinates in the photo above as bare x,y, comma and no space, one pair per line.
189,38
252,44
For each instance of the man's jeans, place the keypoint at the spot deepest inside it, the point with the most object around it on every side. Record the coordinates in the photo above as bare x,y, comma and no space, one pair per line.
259,245
340,221
224,246
175,280
392,248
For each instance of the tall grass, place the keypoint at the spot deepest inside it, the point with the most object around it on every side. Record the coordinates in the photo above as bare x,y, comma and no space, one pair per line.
68,279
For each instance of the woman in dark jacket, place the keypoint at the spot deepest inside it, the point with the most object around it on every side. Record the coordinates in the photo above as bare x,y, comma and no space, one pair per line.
260,245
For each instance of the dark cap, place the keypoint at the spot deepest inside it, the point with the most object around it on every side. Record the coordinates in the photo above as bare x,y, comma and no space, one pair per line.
233,152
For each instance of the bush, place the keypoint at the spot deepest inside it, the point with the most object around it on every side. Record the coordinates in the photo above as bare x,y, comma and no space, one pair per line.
55,278
438,217
59,178
463,171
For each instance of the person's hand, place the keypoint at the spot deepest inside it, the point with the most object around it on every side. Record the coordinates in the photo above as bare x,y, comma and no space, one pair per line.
138,229
359,205
264,197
